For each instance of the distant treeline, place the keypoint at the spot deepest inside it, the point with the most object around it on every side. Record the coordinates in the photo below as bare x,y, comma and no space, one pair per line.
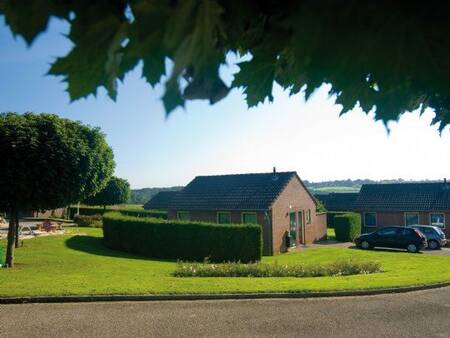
349,185
141,196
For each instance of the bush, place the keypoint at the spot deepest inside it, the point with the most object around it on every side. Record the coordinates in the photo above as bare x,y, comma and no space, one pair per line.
94,221
347,226
338,268
89,211
192,241
2,254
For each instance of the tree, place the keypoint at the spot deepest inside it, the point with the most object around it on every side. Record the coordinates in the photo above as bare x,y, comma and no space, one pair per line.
117,191
48,162
389,56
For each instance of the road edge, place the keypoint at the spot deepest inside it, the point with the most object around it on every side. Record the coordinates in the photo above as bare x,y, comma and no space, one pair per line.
218,296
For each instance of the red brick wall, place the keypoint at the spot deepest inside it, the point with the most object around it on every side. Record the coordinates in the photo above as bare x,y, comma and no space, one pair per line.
211,216
398,218
295,198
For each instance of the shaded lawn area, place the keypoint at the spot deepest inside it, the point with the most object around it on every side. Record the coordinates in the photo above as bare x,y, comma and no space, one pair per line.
330,234
74,265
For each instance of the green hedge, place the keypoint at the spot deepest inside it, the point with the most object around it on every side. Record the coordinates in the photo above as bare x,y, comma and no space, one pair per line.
193,241
94,221
347,226
2,255
90,211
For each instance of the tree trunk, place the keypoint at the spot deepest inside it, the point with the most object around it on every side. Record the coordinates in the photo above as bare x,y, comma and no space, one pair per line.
10,244
16,217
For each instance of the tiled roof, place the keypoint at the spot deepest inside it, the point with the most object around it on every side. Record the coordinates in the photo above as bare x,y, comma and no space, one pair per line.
338,201
232,192
160,201
404,197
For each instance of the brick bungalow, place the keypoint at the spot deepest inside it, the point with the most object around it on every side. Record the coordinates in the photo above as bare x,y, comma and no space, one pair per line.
404,204
278,201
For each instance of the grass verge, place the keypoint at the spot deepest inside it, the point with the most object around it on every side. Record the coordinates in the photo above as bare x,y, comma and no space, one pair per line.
81,265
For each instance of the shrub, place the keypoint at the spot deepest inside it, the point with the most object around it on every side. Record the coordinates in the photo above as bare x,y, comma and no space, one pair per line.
347,226
182,240
1,255
338,268
94,221
89,211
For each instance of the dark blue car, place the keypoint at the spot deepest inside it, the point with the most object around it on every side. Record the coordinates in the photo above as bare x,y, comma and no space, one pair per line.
393,237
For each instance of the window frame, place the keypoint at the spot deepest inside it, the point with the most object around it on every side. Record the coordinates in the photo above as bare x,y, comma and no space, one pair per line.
409,213
223,212
376,219
308,216
249,213
439,213
183,212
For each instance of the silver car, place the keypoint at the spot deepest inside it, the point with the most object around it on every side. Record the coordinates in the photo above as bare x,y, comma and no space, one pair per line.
435,236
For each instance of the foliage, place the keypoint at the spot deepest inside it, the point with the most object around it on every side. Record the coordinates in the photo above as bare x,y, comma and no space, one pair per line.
347,226
172,239
345,267
94,221
384,56
142,196
75,264
1,255
48,162
117,191
89,211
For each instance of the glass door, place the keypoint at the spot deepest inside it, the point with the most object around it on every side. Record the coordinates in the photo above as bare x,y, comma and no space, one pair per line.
293,228
301,228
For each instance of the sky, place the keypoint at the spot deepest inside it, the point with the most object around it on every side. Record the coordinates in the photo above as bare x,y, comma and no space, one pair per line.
151,150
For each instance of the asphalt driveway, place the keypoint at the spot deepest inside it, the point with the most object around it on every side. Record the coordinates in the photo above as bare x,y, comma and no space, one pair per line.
415,314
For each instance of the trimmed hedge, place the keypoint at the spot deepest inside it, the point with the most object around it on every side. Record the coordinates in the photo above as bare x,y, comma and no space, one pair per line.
347,226
91,211
191,241
94,221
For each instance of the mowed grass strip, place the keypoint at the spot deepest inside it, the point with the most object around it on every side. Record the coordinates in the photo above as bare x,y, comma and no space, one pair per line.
81,265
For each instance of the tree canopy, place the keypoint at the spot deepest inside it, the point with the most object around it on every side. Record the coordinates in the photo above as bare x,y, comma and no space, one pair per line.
389,56
117,191
48,162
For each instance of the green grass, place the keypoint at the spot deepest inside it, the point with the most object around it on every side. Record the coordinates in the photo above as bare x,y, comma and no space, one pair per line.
74,265
331,234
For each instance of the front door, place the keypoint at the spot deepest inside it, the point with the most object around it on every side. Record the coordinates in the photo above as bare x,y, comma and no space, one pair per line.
301,227
293,228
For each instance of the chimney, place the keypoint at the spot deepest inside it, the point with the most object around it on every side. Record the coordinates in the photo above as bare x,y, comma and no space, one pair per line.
274,174
445,179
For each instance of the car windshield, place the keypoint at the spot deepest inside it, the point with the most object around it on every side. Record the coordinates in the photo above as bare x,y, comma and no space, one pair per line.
439,231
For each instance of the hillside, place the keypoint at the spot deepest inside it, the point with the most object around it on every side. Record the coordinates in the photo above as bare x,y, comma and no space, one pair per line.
141,196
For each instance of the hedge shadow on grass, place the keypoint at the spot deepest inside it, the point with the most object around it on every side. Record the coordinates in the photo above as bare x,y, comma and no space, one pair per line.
94,246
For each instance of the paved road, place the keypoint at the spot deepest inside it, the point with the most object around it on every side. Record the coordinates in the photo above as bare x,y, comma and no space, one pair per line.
417,314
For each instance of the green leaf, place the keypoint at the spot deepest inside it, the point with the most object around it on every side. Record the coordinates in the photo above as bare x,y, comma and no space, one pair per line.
257,77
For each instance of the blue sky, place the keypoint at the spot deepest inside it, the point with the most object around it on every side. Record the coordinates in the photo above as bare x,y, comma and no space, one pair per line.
289,133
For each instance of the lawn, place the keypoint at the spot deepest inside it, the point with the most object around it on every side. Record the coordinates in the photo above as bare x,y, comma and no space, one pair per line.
331,234
74,265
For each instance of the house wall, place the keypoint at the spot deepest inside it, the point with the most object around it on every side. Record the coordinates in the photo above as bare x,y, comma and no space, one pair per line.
398,218
295,198
236,217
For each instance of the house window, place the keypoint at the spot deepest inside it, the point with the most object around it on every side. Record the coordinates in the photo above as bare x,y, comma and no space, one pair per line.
370,219
308,216
223,217
411,218
437,219
249,218
183,215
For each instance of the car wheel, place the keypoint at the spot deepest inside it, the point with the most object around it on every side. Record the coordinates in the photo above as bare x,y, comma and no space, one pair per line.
365,245
412,248
433,245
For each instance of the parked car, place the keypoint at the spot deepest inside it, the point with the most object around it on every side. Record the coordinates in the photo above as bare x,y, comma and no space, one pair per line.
393,237
435,236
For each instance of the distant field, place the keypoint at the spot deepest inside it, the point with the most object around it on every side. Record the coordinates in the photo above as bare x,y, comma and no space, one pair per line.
335,189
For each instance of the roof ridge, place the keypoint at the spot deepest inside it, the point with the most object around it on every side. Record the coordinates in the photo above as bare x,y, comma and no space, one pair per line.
247,174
